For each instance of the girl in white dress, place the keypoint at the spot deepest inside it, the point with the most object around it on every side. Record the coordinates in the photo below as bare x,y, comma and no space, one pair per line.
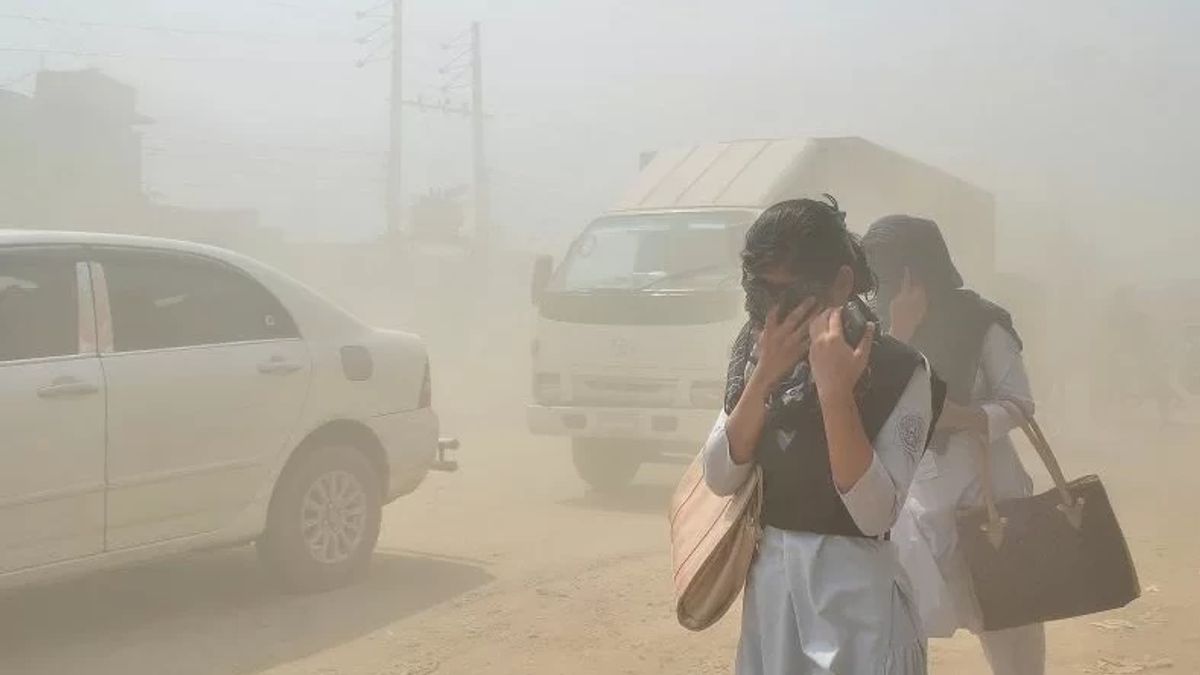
973,347
838,418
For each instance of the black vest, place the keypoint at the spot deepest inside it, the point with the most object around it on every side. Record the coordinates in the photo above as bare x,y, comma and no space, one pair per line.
798,489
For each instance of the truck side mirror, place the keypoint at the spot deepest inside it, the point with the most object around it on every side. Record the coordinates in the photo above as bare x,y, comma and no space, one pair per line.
543,269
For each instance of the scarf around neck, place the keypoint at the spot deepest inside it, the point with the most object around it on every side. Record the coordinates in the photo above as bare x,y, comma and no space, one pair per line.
793,400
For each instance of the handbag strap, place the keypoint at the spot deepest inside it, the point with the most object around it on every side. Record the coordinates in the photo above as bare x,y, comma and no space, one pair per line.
757,507
1071,507
994,527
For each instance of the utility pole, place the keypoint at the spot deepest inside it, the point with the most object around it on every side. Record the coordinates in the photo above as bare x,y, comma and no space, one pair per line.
483,226
394,192
454,72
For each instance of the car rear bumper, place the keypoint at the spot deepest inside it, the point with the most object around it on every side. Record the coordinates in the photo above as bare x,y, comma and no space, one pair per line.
410,440
656,424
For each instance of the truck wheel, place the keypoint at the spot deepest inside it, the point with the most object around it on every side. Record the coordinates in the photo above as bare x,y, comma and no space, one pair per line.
323,521
604,464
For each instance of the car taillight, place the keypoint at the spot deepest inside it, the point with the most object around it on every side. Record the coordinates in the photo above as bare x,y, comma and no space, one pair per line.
426,399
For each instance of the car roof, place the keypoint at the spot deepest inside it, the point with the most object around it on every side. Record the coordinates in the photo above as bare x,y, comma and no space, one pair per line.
276,280
12,237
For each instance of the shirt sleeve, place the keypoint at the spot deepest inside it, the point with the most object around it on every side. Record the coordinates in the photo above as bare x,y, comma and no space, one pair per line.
722,475
1004,371
874,502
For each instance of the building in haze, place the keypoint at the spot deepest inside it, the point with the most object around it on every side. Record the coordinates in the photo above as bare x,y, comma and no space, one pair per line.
71,159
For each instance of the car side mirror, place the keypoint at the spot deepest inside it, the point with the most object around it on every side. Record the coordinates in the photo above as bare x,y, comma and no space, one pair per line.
543,269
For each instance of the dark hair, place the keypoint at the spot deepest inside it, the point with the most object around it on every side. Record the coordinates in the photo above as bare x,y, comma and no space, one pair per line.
809,239
898,242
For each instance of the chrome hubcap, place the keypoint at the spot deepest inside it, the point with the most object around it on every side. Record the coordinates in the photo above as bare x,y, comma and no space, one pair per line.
334,516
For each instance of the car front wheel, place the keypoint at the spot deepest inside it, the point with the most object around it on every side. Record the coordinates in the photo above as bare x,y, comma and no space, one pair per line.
323,522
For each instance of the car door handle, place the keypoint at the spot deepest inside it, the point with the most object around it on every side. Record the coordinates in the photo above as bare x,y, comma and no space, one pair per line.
278,366
67,386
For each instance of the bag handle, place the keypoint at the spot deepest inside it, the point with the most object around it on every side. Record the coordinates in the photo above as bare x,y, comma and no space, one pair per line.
994,527
1070,506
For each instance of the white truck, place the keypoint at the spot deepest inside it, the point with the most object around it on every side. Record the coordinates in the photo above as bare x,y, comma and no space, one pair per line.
635,324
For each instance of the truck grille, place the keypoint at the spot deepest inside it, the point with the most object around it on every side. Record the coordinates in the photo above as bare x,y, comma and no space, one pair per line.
620,391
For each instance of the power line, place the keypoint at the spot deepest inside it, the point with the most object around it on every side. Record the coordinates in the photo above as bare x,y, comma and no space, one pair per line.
329,183
443,107
315,11
373,53
462,39
221,32
214,148
369,12
369,35
457,63
167,57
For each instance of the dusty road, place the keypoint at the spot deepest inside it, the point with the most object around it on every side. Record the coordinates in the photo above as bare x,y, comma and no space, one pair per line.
510,567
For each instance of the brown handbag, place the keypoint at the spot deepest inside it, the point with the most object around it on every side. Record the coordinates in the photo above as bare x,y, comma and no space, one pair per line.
1055,555
713,542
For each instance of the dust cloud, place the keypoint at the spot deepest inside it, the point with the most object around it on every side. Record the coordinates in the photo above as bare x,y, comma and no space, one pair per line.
420,199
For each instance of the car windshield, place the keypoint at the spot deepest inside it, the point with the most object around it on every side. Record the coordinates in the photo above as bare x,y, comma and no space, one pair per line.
660,251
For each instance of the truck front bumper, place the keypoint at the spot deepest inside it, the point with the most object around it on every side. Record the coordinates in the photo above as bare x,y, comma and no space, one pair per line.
656,424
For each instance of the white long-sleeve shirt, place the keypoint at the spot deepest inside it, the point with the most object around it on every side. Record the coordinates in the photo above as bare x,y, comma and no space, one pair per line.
1001,377
874,502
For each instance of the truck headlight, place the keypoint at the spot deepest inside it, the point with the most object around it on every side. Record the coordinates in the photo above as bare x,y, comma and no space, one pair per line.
547,388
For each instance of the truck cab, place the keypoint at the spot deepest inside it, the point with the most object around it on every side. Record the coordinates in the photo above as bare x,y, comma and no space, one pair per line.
633,333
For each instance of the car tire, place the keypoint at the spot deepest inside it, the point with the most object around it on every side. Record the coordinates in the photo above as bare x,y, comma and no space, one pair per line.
323,522
606,465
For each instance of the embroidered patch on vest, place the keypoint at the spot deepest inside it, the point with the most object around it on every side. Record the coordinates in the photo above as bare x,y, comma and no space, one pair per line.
911,430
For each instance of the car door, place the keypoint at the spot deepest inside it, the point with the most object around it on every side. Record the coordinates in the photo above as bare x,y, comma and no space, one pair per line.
207,376
51,410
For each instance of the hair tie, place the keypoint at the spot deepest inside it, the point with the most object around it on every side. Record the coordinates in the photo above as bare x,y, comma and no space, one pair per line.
837,211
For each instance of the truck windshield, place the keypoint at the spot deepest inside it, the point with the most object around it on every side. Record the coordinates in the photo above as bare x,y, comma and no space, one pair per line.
660,251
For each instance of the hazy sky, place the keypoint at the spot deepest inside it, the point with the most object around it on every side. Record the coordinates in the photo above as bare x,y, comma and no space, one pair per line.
1082,112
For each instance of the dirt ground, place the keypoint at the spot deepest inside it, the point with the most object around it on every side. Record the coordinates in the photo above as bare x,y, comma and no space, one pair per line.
512,566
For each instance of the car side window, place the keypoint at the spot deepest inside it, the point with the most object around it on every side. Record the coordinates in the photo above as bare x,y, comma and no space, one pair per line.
39,306
164,300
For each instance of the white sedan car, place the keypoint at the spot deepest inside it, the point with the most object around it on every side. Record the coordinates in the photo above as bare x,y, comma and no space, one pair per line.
158,397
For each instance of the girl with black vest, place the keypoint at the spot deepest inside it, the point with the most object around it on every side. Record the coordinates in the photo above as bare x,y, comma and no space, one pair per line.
973,346
838,418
